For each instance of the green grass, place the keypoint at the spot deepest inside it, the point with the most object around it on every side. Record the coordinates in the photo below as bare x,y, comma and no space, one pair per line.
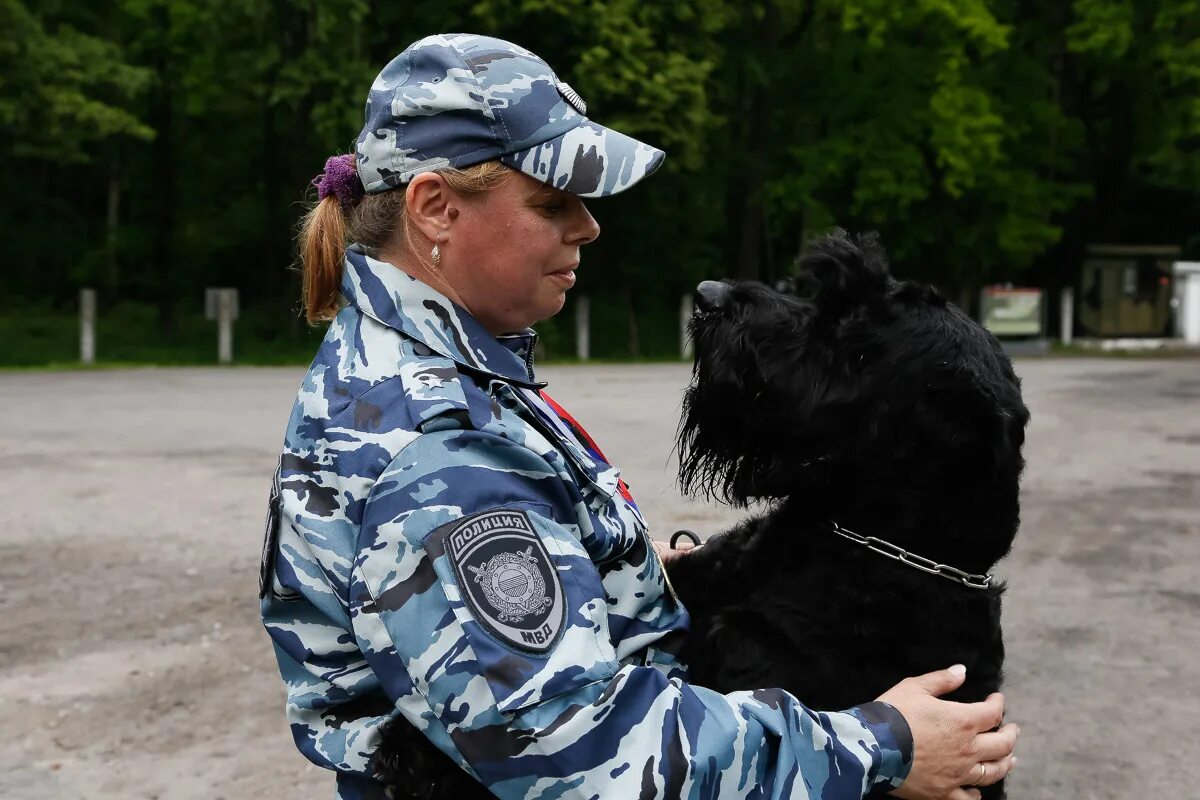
1060,350
127,334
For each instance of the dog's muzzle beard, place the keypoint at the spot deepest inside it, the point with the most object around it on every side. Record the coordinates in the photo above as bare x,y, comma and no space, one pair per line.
713,459
712,440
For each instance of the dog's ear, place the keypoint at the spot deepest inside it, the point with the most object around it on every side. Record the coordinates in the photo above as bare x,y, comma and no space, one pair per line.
843,271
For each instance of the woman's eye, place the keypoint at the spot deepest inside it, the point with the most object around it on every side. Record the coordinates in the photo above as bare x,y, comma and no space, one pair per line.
554,208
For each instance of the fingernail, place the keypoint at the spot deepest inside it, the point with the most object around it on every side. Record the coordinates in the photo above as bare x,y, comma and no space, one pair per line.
958,670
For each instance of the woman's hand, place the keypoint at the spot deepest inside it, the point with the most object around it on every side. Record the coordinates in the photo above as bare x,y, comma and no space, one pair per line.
666,553
954,744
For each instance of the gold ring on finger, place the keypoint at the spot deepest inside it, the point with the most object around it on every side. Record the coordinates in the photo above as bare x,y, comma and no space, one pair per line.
982,774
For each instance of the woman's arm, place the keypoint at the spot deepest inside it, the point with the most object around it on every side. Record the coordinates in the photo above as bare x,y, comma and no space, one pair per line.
454,529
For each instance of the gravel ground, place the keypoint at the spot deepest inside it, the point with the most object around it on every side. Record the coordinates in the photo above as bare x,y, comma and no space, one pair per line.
131,507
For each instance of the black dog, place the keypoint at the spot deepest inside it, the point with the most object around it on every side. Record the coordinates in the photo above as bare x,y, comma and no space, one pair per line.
870,407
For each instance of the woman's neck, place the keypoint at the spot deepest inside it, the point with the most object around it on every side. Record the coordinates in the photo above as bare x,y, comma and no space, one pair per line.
430,276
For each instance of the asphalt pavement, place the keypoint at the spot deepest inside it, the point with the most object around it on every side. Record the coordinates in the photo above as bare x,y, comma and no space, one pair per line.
131,510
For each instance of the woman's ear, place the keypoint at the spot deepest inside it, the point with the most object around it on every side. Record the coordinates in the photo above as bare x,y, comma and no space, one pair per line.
428,201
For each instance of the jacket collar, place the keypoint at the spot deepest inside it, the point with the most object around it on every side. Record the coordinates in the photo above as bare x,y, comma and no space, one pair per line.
392,297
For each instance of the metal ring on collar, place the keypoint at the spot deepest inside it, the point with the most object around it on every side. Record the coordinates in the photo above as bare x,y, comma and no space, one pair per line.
683,532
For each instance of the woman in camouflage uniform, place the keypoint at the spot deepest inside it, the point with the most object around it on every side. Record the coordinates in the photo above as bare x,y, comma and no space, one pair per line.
444,546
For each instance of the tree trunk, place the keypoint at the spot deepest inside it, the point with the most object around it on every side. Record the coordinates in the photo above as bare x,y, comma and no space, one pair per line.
270,257
164,268
635,342
752,218
749,262
751,224
289,159
112,264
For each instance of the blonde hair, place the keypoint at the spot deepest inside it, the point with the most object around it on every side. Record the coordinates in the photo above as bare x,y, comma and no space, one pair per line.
375,221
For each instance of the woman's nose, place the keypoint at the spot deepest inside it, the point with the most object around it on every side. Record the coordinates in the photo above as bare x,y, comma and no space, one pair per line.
586,228
711,295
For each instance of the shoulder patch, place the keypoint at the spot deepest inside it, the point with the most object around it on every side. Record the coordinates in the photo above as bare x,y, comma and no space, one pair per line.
507,578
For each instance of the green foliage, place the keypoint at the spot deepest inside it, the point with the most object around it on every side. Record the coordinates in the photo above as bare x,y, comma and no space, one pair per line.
166,145
1172,152
63,90
1103,30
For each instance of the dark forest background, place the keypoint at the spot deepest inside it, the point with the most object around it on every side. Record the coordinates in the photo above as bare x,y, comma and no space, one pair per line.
157,147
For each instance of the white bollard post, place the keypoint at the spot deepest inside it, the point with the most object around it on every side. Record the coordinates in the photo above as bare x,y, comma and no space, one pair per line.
582,327
87,326
226,304
1191,307
1066,315
685,316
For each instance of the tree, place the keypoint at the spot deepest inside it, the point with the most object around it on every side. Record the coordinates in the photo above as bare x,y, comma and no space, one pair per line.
904,119
68,99
162,146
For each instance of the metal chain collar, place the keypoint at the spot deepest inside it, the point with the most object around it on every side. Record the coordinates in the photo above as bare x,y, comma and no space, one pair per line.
915,561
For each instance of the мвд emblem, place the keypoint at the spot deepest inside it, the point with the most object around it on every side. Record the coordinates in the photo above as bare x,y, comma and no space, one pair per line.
507,578
512,584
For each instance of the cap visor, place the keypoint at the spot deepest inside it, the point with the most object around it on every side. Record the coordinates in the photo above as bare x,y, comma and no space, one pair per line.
588,161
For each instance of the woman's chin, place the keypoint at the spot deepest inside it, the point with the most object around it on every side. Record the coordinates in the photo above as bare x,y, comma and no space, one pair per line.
552,305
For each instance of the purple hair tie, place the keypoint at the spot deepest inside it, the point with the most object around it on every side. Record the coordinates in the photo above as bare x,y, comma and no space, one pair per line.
340,179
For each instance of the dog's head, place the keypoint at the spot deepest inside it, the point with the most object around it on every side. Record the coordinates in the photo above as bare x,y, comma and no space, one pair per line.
860,395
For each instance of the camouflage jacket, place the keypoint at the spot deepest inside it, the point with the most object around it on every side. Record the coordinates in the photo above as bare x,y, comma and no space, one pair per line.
440,546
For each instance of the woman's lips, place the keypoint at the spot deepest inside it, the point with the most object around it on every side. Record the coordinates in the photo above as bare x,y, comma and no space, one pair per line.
565,276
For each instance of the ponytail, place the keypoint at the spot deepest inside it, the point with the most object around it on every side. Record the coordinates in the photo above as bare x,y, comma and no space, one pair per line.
376,221
322,248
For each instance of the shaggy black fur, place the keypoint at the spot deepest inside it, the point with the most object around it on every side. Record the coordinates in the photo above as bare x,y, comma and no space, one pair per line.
861,400
867,402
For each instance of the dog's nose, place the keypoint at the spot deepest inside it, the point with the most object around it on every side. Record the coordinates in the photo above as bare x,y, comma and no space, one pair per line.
710,295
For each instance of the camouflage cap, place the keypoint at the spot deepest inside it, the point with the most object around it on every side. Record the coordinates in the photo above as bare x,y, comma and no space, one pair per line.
452,100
